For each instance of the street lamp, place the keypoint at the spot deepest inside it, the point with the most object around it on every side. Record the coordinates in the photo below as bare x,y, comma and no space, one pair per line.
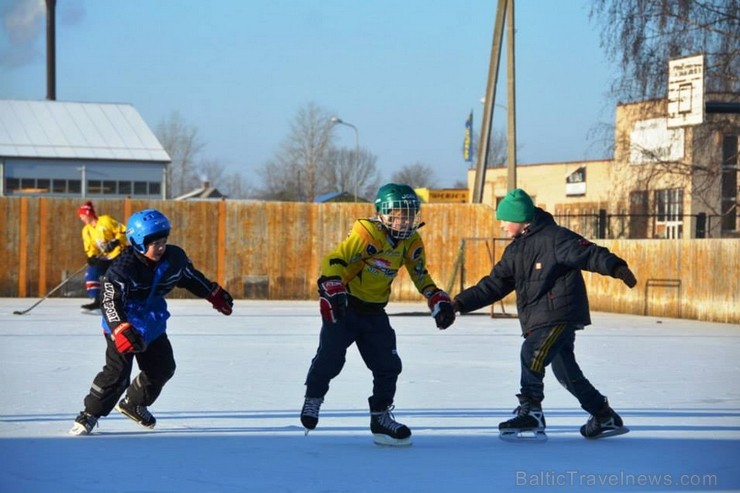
338,121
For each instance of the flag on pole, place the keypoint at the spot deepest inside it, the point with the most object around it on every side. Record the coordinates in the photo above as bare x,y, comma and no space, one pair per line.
468,143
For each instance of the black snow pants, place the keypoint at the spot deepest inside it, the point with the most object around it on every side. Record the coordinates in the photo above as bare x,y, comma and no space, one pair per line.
376,341
156,364
556,345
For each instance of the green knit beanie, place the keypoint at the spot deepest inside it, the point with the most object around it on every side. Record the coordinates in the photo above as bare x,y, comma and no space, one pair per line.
516,207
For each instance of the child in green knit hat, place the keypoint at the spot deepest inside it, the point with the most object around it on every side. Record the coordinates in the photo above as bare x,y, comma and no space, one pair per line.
516,207
543,264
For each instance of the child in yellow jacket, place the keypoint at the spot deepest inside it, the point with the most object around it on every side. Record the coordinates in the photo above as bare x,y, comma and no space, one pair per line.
103,239
354,287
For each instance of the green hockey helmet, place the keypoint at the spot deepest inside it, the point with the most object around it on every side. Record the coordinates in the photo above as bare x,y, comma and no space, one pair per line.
398,209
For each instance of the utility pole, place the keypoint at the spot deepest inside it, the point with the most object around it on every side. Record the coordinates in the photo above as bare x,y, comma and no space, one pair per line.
511,99
504,13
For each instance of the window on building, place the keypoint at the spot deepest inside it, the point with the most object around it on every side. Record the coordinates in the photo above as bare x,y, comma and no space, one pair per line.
110,187
12,185
638,220
669,213
74,187
27,184
94,187
728,184
59,186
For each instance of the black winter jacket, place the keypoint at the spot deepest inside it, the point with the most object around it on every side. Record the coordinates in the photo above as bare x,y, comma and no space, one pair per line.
543,264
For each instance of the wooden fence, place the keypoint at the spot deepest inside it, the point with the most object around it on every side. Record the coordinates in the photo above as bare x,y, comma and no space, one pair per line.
272,250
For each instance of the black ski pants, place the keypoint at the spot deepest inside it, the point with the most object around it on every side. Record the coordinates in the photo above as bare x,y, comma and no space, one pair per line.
156,364
555,345
376,341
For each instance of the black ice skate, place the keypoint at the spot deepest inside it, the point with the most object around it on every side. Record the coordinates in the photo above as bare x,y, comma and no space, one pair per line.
310,412
605,423
138,413
527,425
386,430
92,307
84,423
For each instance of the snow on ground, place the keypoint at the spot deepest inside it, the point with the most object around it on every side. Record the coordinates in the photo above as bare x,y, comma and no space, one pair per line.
228,420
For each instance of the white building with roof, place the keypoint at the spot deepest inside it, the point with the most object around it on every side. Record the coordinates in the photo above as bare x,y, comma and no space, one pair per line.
69,149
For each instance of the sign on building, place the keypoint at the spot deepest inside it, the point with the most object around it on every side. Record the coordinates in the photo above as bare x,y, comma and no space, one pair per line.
686,91
575,183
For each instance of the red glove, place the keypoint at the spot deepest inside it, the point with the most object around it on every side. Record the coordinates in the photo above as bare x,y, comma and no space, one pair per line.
221,300
128,339
332,299
441,306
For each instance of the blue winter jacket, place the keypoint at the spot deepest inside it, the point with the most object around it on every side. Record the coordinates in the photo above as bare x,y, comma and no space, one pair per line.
134,289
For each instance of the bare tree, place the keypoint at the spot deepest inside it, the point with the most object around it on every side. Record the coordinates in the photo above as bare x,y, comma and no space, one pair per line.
417,175
236,187
282,180
643,35
352,171
182,143
233,185
497,150
293,173
308,163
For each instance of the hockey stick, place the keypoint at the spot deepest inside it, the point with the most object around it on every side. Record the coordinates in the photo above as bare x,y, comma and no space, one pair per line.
57,288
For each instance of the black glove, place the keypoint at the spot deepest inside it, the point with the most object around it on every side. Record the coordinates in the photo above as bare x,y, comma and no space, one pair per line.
221,300
625,274
95,261
110,245
441,306
332,299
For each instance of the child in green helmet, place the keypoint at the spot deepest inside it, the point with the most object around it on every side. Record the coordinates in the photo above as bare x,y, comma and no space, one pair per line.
354,287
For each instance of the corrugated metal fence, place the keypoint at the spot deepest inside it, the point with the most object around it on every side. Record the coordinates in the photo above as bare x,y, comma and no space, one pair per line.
272,250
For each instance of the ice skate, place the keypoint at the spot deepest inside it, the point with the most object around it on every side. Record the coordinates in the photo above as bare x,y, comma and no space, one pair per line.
138,413
527,425
310,413
84,424
92,308
606,423
387,431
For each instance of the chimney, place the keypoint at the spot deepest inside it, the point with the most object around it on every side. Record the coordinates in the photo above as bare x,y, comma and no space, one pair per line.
51,58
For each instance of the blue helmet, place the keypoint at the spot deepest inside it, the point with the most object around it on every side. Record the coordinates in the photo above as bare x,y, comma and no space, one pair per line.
145,226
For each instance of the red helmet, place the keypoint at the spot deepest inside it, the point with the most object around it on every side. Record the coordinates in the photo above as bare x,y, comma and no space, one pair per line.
87,210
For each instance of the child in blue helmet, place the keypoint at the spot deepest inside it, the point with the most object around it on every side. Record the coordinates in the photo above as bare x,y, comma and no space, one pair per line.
135,320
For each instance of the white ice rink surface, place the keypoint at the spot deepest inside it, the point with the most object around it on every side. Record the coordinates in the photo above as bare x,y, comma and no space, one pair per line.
228,420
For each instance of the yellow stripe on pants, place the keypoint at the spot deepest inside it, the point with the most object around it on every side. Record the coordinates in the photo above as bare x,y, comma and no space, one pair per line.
538,364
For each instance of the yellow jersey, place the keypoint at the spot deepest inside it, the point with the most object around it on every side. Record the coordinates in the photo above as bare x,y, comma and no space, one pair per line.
368,261
95,237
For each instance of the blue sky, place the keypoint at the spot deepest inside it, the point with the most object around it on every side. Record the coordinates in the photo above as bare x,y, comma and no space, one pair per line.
406,74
